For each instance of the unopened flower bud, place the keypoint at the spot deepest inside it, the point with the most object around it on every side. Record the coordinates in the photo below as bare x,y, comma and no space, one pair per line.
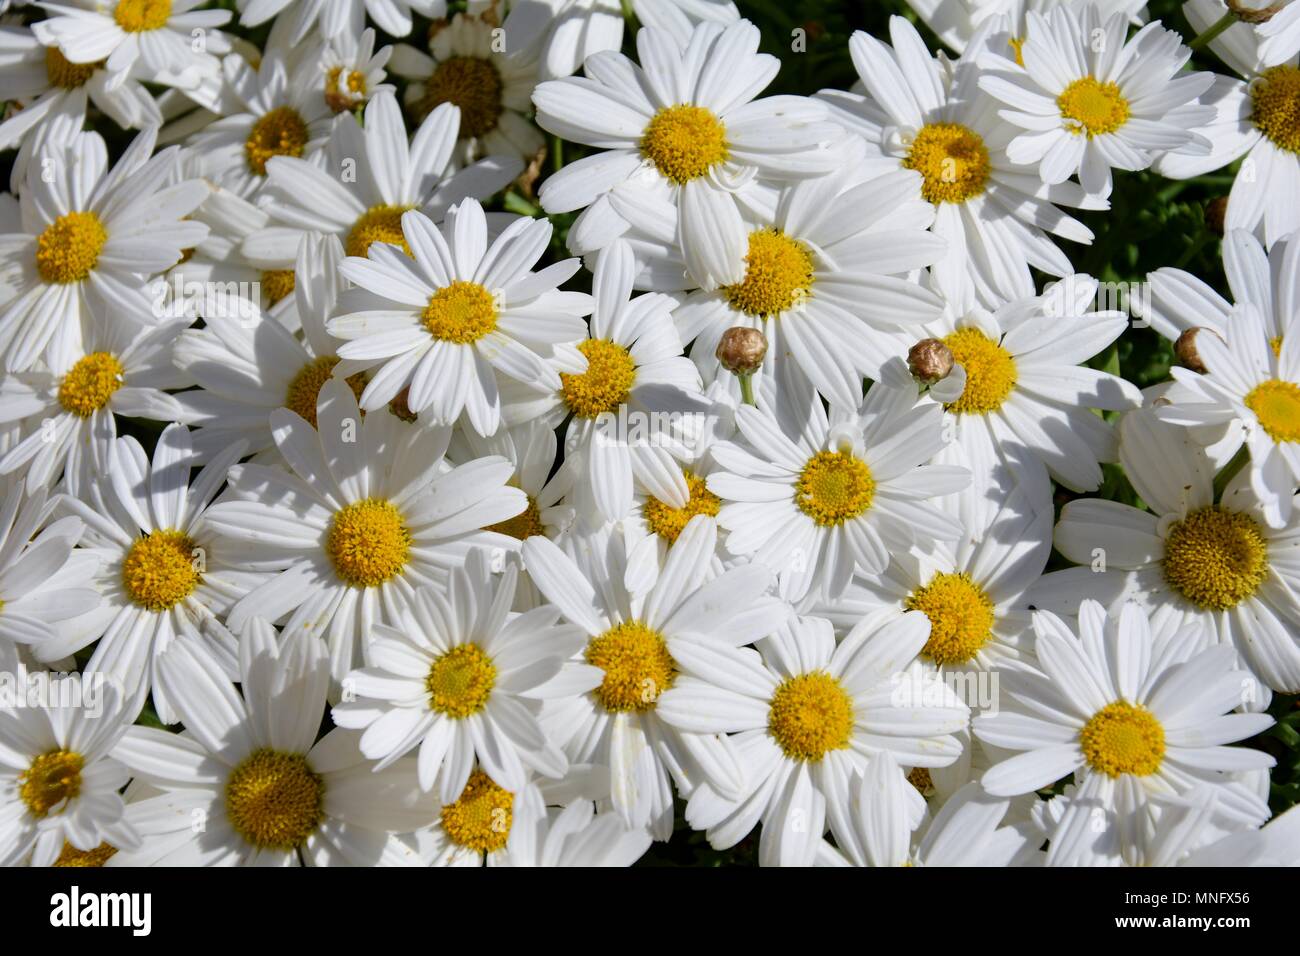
741,350
1216,211
929,361
1186,351
1251,11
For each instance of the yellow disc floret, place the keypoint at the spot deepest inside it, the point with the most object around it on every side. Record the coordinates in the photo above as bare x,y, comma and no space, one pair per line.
368,542
1275,98
69,247
462,312
1092,108
460,681
65,74
778,275
961,617
1276,403
276,284
274,800
71,856
161,570
52,779
304,388
990,371
669,522
1123,738
342,91
279,132
1215,558
480,818
522,526
377,224
605,385
834,487
637,666
952,160
90,383
138,16
810,715
471,83
684,142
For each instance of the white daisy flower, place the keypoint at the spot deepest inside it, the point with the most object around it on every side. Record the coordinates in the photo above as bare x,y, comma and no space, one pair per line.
353,72
88,235
122,370
368,514
683,126
164,575
1254,118
44,582
248,783
336,17
472,64
807,715
1190,558
458,312
58,782
929,115
151,39
817,497
282,112
632,658
631,398
1129,716
1247,382
1090,101
822,275
392,177
652,526
968,830
458,674
957,23
1277,843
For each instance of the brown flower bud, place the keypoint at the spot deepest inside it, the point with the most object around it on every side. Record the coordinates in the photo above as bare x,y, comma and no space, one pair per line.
929,361
1186,352
1249,11
1216,211
741,350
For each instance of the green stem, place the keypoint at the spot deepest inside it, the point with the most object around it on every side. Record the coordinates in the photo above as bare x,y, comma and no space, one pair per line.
1215,29
746,387
557,153
1197,245
628,13
1230,470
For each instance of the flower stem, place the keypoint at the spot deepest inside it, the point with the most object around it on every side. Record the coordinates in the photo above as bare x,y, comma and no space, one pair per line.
1216,28
1229,472
746,387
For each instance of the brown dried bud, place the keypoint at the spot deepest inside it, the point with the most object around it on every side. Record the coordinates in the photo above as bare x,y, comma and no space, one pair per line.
1186,352
741,350
1216,211
929,361
1250,12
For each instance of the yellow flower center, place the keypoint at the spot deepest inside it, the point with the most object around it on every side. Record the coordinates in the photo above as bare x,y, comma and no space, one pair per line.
52,779
304,388
1275,97
471,83
276,284
64,74
90,383
1275,344
919,777
961,617
274,800
1215,558
637,666
1092,108
280,132
990,371
480,818
377,224
161,570
810,715
69,247
684,142
522,526
605,385
462,312
1123,738
368,542
834,487
1017,45
460,681
340,91
953,161
669,522
137,16
1277,406
71,856
400,406
778,275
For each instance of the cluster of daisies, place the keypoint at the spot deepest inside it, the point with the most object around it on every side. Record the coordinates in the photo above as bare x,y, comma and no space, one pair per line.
498,433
